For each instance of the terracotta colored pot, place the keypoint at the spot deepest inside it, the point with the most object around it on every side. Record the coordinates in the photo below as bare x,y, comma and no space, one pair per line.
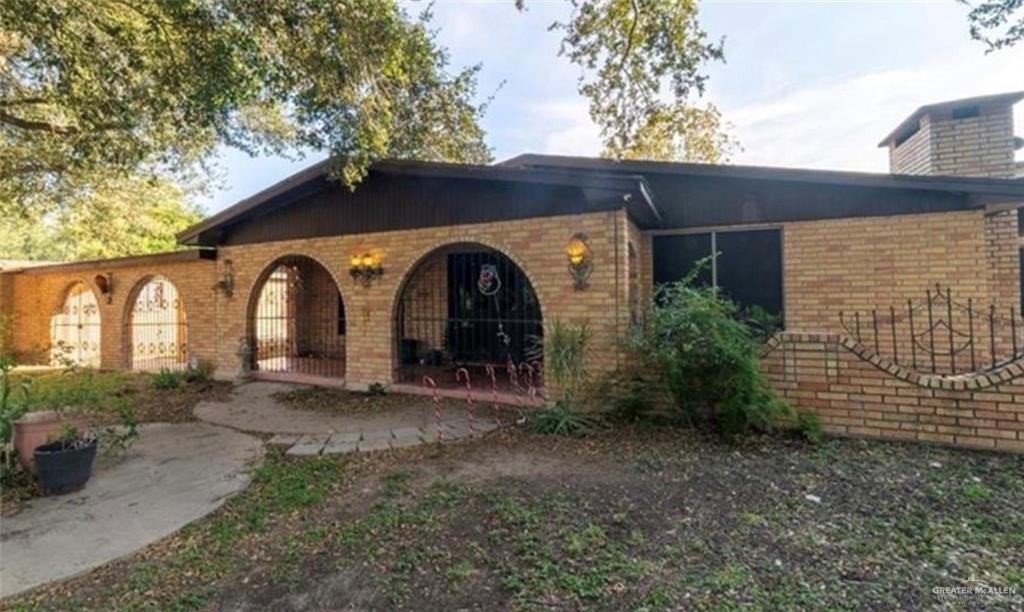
32,430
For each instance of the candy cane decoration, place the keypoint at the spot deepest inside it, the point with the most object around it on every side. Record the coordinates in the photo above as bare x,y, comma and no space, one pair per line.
436,399
494,393
470,418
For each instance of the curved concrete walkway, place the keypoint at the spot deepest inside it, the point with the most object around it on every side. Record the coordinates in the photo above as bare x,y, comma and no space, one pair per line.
307,432
172,475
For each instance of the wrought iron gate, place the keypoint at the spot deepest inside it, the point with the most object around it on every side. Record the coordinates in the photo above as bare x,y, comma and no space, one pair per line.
298,321
75,329
466,307
158,329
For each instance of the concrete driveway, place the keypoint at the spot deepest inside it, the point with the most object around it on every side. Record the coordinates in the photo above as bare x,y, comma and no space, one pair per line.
173,475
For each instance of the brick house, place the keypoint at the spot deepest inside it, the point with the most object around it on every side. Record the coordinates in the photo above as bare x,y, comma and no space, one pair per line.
426,267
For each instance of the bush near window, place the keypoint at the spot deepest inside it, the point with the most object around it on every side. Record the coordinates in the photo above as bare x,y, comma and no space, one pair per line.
700,346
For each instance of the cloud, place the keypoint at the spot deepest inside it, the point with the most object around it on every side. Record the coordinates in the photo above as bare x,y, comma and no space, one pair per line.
838,124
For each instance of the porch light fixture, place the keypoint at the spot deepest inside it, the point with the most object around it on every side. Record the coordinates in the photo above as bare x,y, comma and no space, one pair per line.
105,283
581,260
366,267
226,284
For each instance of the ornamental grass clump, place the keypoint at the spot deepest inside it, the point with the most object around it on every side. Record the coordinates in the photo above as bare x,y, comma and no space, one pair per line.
706,354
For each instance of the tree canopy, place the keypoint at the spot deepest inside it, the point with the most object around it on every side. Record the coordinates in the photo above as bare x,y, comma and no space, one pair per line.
106,105
113,218
105,87
642,62
997,23
681,133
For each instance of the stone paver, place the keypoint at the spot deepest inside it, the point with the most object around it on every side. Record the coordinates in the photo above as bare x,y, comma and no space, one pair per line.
284,439
172,475
252,407
309,445
374,444
342,443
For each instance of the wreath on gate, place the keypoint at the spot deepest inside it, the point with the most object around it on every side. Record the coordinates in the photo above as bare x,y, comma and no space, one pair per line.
488,283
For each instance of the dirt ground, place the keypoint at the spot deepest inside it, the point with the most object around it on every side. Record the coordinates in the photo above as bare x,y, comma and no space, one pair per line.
626,520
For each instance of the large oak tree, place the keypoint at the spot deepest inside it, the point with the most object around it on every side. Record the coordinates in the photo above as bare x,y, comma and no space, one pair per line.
113,92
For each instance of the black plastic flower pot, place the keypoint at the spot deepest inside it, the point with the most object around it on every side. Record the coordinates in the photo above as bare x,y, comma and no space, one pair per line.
62,467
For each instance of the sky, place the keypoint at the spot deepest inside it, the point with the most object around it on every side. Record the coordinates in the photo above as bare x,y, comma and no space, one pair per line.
805,84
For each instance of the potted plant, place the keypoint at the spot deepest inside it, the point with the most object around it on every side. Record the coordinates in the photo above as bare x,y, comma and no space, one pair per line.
65,464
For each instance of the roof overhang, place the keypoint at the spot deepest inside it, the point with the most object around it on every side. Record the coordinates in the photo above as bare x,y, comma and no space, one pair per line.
123,262
628,191
983,190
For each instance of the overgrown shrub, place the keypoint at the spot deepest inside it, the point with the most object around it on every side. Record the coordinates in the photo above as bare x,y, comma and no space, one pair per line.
565,353
166,380
706,354
562,420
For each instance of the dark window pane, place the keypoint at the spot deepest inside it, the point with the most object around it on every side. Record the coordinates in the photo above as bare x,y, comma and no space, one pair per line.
675,256
750,268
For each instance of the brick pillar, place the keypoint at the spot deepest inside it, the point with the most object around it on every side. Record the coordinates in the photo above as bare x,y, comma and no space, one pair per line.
1002,239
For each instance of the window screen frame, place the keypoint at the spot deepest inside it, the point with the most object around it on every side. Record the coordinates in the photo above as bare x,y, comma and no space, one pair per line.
723,229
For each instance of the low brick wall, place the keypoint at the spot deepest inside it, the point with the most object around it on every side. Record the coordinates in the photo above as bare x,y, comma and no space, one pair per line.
859,393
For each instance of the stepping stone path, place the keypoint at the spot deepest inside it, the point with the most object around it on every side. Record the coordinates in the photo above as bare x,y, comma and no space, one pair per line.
375,439
253,407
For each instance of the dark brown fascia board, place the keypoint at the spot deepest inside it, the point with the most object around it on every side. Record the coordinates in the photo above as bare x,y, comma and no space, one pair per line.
124,262
627,184
910,122
1011,188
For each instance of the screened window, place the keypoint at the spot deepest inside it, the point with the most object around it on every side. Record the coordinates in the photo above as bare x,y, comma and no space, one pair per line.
748,268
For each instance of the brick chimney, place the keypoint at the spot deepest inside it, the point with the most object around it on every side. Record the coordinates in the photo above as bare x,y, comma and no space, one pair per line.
968,137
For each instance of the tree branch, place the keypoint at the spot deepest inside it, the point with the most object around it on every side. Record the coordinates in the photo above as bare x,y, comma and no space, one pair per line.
36,126
629,37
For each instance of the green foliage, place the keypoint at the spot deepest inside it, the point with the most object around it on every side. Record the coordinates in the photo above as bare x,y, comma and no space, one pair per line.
15,398
114,217
680,133
997,23
562,420
94,90
565,351
631,53
376,390
166,380
565,358
809,425
708,358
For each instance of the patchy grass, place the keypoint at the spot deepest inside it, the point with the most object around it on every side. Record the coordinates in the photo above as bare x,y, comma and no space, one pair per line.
96,393
644,521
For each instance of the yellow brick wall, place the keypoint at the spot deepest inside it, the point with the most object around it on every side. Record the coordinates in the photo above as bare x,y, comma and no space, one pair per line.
858,394
217,323
34,297
874,262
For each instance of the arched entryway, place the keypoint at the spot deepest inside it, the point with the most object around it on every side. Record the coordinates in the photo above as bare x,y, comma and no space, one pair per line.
469,306
157,327
75,329
297,321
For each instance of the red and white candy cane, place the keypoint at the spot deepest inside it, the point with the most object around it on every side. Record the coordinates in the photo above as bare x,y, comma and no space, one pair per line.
470,418
436,399
494,393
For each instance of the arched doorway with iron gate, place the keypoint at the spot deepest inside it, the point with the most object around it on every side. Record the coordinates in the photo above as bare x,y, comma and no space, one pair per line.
469,306
157,327
297,321
75,329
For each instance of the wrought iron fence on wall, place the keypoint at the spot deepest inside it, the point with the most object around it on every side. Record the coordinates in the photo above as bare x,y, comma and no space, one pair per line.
940,335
